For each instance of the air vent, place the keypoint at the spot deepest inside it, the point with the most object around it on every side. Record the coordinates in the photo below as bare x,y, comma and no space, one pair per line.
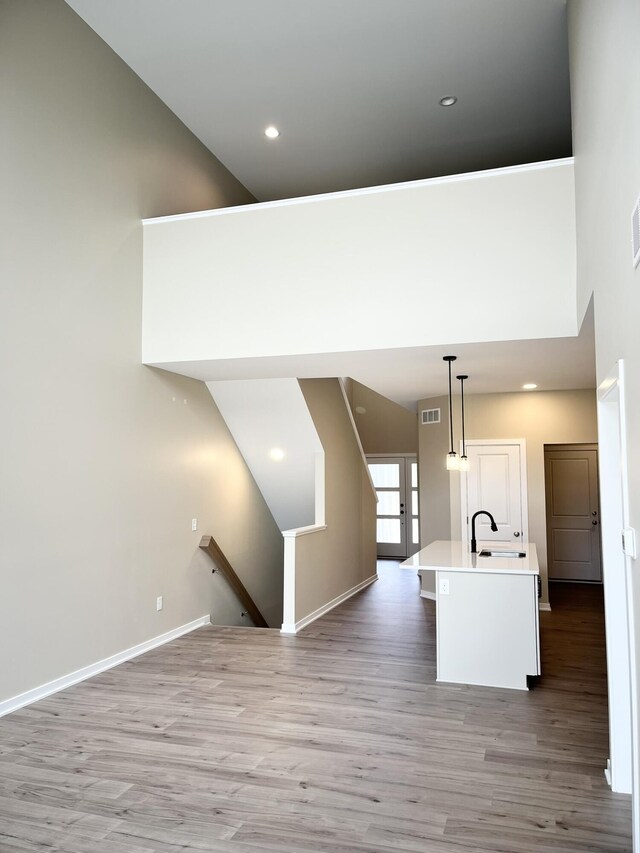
430,416
635,233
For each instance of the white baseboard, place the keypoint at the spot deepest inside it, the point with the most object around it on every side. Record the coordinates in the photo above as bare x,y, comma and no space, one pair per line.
30,696
424,593
291,628
544,605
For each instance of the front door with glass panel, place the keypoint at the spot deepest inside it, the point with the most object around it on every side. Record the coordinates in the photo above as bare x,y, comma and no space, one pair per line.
396,482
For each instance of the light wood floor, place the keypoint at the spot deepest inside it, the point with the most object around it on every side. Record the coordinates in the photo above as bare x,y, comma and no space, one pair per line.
242,740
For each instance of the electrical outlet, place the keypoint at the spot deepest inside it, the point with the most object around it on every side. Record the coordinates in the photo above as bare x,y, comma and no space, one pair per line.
444,586
159,603
194,524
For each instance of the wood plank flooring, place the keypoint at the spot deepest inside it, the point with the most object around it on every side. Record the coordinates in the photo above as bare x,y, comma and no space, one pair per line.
336,740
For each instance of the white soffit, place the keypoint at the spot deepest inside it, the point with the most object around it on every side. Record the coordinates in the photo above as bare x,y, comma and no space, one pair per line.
408,375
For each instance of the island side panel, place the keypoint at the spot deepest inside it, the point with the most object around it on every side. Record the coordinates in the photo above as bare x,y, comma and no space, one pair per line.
487,629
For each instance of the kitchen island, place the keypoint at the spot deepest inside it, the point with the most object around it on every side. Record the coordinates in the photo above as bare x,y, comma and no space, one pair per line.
487,626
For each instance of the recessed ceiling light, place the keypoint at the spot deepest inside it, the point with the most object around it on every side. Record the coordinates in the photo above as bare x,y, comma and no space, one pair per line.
276,454
448,101
530,386
272,132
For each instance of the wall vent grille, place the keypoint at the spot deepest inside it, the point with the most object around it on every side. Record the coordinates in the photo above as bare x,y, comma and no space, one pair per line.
635,233
430,416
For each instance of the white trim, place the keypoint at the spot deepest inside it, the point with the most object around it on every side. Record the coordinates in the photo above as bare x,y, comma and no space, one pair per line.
544,605
480,684
624,766
293,628
30,696
384,188
424,593
294,532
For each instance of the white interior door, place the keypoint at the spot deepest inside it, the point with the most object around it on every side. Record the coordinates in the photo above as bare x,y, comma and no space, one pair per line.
496,482
396,482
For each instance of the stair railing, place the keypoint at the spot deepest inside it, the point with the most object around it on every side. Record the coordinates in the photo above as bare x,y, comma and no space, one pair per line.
209,544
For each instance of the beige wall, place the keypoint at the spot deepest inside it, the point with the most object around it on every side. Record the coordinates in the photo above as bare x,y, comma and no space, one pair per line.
385,427
434,503
333,561
553,417
104,461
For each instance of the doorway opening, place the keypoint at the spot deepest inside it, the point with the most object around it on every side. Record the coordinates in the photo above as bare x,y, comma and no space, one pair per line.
573,512
395,478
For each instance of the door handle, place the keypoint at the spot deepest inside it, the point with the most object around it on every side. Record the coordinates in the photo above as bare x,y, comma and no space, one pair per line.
517,533
594,512
402,513
594,521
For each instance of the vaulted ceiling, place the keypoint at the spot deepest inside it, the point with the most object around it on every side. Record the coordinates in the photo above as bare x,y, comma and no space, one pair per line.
352,85
354,88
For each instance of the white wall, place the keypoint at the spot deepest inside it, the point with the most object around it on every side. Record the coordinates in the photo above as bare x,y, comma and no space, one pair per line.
605,74
478,258
268,414
104,462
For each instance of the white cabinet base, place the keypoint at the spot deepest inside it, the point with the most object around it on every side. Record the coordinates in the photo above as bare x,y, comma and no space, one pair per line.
487,628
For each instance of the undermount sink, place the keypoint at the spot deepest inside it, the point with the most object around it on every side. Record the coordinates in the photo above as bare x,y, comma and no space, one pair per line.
486,552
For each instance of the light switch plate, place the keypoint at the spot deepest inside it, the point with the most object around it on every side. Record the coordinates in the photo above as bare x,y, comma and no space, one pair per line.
444,586
194,524
629,542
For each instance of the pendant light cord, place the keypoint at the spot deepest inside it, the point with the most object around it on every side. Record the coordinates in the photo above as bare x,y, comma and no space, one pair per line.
452,457
464,446
462,378
450,412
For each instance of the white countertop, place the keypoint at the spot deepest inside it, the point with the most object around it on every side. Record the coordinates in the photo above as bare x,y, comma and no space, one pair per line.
452,556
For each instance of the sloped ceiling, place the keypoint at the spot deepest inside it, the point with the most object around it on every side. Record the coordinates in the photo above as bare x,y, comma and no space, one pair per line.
353,85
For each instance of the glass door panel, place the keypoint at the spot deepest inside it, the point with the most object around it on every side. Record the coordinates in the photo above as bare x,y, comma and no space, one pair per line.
415,521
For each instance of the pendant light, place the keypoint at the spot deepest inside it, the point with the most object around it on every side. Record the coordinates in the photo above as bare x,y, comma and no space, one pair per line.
463,465
452,457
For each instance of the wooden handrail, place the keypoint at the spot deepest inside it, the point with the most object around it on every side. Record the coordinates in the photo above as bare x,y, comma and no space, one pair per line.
209,544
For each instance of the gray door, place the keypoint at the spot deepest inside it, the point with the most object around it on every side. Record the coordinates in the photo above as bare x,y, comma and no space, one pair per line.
573,512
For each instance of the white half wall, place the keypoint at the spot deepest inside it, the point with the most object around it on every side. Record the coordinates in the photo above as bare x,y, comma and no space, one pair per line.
477,257
270,415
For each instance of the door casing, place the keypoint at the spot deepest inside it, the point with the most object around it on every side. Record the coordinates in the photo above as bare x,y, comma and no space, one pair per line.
623,771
